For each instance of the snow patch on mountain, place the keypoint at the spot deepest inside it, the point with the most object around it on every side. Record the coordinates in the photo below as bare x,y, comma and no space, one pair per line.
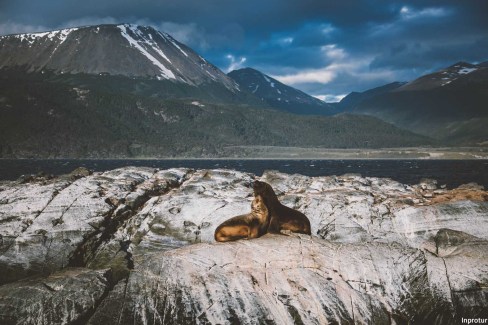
165,72
197,103
442,77
31,38
172,40
455,72
467,70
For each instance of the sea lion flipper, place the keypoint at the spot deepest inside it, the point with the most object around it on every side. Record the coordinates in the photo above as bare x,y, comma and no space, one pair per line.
229,233
286,232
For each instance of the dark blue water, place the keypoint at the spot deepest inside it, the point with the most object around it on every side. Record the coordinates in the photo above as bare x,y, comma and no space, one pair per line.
450,172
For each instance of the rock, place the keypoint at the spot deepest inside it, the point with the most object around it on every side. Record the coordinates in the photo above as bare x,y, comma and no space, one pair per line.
80,172
380,252
304,281
69,221
428,184
64,297
471,186
417,225
461,194
21,205
458,273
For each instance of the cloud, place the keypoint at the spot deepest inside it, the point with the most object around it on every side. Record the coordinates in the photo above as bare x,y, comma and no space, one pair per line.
408,13
331,98
322,76
89,21
408,18
235,63
326,48
10,27
333,52
340,63
190,33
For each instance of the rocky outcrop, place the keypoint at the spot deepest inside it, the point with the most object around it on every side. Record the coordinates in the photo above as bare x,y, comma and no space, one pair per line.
48,227
135,245
64,297
278,280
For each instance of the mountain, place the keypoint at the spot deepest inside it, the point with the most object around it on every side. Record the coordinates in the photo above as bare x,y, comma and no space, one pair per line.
125,49
441,78
356,97
46,115
140,53
450,105
278,95
131,91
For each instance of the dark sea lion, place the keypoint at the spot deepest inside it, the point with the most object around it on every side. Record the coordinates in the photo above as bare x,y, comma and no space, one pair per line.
282,218
251,225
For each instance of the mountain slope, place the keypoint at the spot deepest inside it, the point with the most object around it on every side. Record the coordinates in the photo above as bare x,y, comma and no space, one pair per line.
48,115
126,50
450,105
130,91
354,98
278,95
440,78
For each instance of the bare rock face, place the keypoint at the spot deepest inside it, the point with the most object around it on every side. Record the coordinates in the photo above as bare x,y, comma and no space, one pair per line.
278,280
381,252
61,298
49,227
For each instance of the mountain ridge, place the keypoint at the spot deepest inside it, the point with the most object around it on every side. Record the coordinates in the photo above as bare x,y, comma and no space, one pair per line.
47,105
278,95
123,49
448,105
48,115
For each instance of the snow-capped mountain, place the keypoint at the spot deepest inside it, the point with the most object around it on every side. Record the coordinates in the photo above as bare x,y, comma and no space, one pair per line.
440,78
124,49
449,104
279,95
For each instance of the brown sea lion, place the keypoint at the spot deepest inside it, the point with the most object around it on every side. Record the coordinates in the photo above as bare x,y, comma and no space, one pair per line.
246,226
282,218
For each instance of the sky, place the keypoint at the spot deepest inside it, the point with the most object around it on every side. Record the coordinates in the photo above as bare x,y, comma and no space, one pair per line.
326,48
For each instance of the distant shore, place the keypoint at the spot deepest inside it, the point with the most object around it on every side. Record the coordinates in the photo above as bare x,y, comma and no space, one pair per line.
264,152
297,153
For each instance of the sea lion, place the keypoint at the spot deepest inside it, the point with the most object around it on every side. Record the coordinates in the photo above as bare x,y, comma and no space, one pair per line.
246,226
282,218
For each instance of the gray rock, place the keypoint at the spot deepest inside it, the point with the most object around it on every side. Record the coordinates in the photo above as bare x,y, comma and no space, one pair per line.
292,280
380,252
64,297
49,227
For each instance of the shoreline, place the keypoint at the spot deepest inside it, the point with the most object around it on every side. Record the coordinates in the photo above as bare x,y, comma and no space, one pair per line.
299,153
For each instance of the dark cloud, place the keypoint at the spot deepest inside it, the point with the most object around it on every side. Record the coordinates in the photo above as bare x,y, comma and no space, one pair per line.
322,47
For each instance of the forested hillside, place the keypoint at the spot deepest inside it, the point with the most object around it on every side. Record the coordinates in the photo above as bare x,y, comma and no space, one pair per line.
51,115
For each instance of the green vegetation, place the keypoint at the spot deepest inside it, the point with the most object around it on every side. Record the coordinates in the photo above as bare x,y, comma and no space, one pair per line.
48,115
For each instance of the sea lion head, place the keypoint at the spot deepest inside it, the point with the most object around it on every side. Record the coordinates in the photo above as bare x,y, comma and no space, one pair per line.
264,189
260,187
258,206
